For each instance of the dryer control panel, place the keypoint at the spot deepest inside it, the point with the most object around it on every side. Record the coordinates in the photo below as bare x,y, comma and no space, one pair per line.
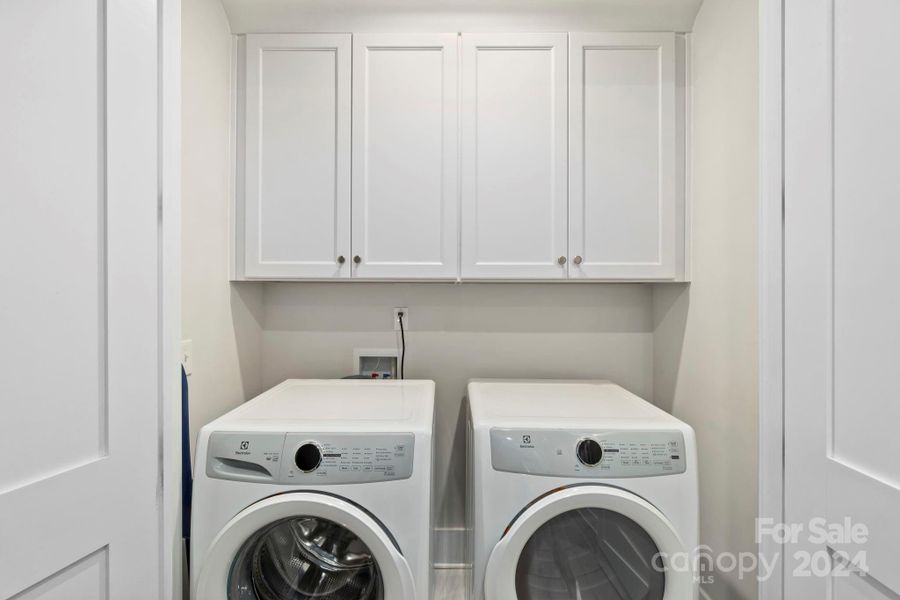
310,458
588,454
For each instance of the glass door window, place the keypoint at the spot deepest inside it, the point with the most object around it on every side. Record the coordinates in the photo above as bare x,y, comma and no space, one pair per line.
590,554
304,557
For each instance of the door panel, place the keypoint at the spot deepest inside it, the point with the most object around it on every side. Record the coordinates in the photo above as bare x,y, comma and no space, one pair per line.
622,180
514,186
85,579
297,132
405,115
866,207
842,88
55,151
854,586
80,349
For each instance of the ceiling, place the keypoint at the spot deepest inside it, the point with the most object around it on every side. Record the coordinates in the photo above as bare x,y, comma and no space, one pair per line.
260,16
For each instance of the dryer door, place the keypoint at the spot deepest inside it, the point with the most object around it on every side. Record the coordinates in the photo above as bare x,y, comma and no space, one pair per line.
304,545
589,543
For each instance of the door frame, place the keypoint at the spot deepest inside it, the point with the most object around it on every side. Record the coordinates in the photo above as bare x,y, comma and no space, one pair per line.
771,283
169,194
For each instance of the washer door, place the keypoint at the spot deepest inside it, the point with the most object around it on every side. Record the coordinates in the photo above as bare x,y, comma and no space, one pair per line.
588,543
304,545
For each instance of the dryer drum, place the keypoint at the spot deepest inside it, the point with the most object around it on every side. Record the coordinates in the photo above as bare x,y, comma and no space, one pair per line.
305,558
591,554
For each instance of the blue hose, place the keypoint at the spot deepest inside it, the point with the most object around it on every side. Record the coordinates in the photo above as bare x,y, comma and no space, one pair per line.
187,481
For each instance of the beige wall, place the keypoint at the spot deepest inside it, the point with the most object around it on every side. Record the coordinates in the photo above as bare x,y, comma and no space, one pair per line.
458,332
705,341
221,319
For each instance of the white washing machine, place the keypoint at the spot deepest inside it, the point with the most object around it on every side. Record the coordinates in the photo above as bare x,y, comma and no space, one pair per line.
316,489
579,491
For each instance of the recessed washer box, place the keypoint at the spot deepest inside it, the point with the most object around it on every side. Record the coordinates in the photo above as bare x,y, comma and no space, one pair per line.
376,361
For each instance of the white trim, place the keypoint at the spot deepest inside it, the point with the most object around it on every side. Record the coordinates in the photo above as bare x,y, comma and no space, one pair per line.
169,115
213,577
235,233
685,244
504,558
771,282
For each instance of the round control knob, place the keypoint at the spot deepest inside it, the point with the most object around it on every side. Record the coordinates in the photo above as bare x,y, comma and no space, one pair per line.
589,452
308,457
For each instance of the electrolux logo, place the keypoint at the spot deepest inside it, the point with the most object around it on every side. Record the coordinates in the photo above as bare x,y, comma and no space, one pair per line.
526,441
244,448
245,445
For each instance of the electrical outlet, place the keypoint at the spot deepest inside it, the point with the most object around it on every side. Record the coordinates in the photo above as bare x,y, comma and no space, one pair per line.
187,356
397,311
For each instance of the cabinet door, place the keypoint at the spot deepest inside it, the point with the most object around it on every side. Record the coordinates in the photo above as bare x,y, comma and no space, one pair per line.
622,149
514,156
405,115
297,156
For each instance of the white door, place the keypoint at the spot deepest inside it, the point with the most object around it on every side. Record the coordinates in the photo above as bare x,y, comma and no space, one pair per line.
622,156
514,156
79,314
842,296
296,139
405,157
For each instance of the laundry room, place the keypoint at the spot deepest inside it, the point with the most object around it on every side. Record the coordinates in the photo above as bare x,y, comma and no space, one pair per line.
680,333
449,300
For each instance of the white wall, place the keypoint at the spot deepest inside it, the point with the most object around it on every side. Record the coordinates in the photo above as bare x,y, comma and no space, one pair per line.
458,332
222,319
705,339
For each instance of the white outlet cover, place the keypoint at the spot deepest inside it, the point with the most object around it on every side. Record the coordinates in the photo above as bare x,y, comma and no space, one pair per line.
405,312
187,356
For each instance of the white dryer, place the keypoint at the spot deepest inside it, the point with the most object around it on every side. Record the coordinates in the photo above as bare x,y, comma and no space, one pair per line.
316,489
579,491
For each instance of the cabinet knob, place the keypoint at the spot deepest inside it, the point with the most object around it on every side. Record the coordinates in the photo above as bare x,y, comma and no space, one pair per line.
341,260
578,260
561,260
357,259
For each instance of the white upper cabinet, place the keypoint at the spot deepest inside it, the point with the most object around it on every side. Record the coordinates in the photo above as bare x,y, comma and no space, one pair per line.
296,140
496,156
623,186
405,156
514,198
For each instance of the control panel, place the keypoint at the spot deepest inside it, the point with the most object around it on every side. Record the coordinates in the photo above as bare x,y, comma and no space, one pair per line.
588,454
310,458
346,458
